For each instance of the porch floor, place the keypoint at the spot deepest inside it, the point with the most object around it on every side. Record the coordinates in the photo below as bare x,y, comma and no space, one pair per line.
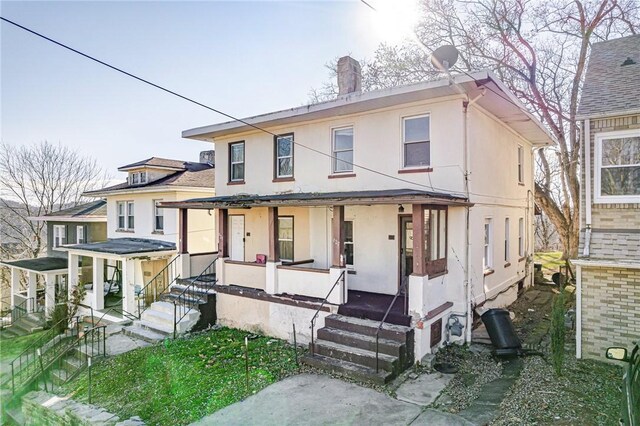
372,306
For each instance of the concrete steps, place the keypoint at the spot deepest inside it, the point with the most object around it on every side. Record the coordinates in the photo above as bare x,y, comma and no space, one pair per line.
347,346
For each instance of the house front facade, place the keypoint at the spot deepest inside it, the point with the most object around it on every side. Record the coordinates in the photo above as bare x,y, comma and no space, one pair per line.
415,200
608,266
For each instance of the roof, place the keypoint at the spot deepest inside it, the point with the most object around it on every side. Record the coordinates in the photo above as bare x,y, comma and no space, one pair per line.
124,246
195,175
392,196
607,263
164,163
39,264
94,211
497,99
611,88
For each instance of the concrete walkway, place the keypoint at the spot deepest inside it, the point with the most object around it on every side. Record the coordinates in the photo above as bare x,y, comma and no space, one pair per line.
309,399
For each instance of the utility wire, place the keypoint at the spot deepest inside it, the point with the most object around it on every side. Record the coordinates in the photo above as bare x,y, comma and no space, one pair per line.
171,92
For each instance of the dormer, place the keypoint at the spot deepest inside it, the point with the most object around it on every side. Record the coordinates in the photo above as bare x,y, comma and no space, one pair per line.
151,169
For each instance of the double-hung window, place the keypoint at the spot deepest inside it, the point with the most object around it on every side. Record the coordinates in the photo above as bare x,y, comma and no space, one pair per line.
520,164
416,141
143,177
521,237
122,224
284,156
130,215
348,243
435,239
285,238
487,257
617,167
342,147
81,234
506,240
59,235
158,217
133,178
236,162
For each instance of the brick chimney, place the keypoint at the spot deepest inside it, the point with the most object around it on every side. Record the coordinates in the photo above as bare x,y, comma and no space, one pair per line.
349,76
208,157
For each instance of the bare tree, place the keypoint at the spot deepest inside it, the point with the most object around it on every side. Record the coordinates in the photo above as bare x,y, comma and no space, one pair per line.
539,48
34,181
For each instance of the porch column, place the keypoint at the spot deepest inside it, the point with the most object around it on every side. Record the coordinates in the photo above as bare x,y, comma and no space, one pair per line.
337,237
73,273
183,233
15,285
49,293
273,259
31,290
98,283
419,252
222,228
128,294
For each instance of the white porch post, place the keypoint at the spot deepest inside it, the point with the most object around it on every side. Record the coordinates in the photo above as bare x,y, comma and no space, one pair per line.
98,283
339,295
73,272
31,289
49,293
128,293
15,285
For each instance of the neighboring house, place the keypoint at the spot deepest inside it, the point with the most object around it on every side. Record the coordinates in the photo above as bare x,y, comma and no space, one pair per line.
444,203
84,223
608,266
141,237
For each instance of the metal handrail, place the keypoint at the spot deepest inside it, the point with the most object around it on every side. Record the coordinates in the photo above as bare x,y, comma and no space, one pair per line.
393,301
116,309
189,288
156,296
19,310
313,319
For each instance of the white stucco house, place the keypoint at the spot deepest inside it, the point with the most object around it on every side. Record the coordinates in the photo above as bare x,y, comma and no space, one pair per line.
423,191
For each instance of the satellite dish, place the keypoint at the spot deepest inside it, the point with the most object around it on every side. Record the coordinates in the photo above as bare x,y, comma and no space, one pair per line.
444,57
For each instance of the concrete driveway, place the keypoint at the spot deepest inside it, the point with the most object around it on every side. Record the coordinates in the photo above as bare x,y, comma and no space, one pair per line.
309,399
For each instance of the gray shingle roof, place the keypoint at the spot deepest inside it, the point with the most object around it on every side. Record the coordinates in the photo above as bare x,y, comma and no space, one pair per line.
609,87
39,264
158,162
94,209
124,246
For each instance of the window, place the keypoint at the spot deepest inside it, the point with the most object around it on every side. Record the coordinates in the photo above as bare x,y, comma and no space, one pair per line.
435,239
236,162
348,243
506,240
617,169
133,178
130,221
158,217
81,235
137,177
521,237
143,177
59,235
487,258
520,164
342,147
285,238
121,215
415,141
284,156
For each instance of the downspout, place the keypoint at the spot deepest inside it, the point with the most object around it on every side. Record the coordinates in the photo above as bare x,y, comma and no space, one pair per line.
578,311
586,146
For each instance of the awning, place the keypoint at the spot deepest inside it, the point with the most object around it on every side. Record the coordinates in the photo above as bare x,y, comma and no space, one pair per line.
391,196
38,264
124,246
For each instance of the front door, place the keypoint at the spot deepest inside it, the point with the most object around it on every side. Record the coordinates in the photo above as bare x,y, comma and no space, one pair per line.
237,237
406,248
150,270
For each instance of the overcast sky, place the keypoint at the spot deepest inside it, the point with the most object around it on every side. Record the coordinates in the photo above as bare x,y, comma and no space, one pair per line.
244,58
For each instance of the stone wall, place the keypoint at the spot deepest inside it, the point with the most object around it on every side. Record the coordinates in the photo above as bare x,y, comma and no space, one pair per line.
45,409
610,309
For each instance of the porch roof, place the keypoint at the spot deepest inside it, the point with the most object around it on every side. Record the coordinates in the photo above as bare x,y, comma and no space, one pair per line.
38,264
124,246
390,196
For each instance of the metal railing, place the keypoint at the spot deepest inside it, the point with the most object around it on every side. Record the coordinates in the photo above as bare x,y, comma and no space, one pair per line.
157,286
27,306
189,292
115,310
315,316
401,290
26,367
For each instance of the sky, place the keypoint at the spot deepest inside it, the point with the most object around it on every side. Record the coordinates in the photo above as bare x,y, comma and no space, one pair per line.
244,58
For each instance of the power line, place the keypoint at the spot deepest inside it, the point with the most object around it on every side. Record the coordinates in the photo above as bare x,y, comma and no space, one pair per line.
370,7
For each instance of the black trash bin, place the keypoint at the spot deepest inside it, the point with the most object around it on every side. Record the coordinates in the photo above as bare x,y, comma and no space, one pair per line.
500,328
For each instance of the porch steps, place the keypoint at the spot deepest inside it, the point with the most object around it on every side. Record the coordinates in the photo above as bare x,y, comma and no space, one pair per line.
347,345
25,325
138,331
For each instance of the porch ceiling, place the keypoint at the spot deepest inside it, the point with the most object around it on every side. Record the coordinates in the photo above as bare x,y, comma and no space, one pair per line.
393,196
39,264
124,246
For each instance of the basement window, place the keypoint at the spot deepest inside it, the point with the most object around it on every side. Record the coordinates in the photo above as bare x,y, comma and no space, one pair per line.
617,167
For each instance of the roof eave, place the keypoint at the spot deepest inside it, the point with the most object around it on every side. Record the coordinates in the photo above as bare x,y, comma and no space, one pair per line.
69,218
607,114
142,190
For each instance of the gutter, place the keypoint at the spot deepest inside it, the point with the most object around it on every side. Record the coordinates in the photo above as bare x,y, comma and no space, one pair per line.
587,186
578,311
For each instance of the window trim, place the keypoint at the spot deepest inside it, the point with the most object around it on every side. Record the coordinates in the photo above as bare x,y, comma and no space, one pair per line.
63,235
230,163
131,217
598,198
334,158
487,245
84,234
507,240
156,209
293,237
521,248
350,266
403,162
126,213
436,267
276,170
521,164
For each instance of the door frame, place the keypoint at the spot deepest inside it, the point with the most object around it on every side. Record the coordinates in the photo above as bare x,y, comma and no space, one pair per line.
400,243
244,228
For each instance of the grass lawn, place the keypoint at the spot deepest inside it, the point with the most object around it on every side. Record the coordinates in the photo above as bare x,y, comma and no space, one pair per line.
550,261
11,347
183,380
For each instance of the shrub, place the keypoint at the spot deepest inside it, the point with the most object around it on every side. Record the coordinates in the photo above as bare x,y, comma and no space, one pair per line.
58,314
558,332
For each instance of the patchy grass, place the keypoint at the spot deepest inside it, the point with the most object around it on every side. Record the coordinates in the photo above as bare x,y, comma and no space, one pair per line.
550,261
11,347
183,380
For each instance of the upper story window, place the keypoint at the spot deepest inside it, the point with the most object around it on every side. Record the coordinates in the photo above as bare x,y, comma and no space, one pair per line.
284,156
236,162
81,234
285,238
59,235
520,164
342,150
487,257
137,178
126,220
158,217
617,167
416,141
